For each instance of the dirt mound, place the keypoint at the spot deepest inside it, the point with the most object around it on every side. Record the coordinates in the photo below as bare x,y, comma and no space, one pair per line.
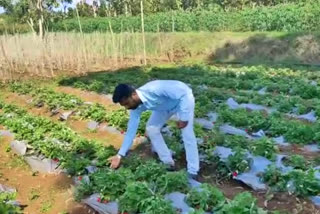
296,49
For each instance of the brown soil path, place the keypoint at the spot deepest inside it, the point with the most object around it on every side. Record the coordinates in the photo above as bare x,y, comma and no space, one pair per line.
38,193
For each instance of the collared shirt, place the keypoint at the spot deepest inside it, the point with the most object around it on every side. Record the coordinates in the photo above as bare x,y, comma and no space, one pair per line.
158,95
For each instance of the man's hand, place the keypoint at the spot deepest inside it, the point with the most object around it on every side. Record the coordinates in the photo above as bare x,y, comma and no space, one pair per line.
115,161
182,124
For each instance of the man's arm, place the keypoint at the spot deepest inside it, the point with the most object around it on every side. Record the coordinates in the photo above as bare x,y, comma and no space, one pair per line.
128,139
131,132
184,107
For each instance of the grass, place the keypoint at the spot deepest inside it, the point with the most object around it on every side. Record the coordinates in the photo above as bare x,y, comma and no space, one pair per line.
46,206
17,162
34,194
76,54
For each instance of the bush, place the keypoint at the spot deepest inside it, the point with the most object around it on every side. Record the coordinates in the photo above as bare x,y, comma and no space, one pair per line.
282,17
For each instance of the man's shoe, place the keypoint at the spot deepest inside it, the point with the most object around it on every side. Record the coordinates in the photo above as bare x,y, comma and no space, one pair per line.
170,167
193,176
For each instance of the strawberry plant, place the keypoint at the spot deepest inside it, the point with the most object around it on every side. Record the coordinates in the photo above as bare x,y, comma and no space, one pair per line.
239,161
264,147
78,84
7,207
135,193
111,183
83,190
238,118
54,99
232,141
103,154
176,146
208,198
257,121
10,209
296,161
306,91
278,127
156,205
118,118
143,121
95,112
21,88
7,196
149,171
96,86
242,203
74,164
172,182
198,131
220,166
299,133
132,162
197,211
305,183
275,179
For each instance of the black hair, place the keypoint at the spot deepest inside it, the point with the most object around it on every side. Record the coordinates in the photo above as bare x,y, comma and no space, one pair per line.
122,91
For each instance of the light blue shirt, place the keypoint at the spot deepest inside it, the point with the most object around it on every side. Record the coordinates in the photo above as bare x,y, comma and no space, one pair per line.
158,95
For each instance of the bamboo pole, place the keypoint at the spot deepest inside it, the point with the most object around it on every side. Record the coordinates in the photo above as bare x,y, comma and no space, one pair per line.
143,36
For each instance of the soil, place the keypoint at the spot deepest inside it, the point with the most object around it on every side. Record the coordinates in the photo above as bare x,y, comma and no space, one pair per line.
79,126
301,49
88,96
299,150
37,193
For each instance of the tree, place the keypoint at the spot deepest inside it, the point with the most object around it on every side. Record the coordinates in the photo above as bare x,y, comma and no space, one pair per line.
35,12
85,10
102,10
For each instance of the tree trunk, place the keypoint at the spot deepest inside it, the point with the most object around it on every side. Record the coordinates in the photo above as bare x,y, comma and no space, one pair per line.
31,24
143,36
126,9
94,8
40,18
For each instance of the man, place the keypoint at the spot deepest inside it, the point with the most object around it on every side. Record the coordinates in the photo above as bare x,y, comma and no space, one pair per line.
165,98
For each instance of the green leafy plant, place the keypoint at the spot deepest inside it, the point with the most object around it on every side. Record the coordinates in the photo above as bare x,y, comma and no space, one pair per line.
296,161
75,165
305,183
275,178
118,118
132,162
172,181
135,193
197,211
7,196
111,184
156,205
103,154
10,209
242,203
208,198
239,161
149,171
264,147
96,112
83,190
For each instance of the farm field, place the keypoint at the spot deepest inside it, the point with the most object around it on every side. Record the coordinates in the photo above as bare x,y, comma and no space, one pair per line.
257,129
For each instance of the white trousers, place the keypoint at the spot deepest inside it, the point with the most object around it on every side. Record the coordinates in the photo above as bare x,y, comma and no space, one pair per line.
154,125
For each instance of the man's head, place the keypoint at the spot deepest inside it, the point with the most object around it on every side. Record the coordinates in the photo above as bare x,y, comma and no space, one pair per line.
127,96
